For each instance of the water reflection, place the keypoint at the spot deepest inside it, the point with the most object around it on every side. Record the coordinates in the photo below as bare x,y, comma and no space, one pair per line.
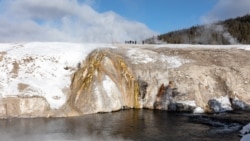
143,125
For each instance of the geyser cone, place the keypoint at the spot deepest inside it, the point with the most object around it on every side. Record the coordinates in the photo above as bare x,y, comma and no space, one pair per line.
105,83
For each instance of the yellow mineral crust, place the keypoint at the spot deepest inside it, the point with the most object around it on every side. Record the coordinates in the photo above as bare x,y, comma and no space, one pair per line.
88,86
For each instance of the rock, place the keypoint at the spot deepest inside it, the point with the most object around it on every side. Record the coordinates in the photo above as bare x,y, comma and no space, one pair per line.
164,99
142,88
221,104
239,105
159,105
24,107
183,107
215,106
173,107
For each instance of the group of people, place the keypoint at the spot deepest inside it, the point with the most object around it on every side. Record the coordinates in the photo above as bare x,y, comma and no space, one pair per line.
132,42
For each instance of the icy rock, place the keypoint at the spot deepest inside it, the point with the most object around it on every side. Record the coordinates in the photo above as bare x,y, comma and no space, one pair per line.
181,107
221,104
215,106
239,105
184,107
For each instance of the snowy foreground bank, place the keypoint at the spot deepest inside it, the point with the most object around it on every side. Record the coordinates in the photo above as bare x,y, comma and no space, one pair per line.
67,79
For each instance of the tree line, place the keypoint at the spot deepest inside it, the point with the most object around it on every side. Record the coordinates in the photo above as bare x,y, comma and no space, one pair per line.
231,31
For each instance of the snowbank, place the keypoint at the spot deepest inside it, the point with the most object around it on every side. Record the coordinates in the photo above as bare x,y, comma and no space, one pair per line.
148,56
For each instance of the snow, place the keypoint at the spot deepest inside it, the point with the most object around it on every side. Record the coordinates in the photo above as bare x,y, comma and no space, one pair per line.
188,102
174,61
41,68
147,56
198,110
142,56
225,103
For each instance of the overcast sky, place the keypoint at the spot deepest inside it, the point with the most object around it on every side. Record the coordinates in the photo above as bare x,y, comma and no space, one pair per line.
107,20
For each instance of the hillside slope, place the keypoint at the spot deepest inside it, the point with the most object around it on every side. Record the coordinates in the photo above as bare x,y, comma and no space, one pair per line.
231,31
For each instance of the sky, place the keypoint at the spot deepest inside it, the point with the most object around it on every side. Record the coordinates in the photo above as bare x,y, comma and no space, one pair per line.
108,21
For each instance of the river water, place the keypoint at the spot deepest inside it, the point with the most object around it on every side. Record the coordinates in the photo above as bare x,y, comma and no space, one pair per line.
136,125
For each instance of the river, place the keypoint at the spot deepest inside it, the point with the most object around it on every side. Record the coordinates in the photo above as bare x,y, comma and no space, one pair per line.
136,125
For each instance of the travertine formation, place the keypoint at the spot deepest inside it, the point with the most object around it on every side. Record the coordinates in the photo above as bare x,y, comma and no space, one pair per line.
105,83
110,79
